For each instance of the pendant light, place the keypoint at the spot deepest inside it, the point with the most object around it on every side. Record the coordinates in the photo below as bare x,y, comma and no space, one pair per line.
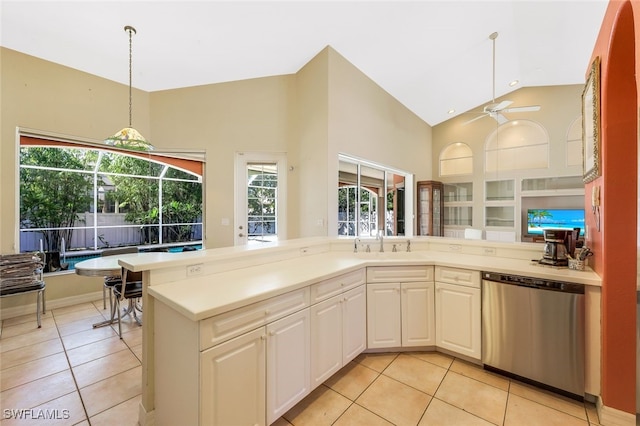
129,137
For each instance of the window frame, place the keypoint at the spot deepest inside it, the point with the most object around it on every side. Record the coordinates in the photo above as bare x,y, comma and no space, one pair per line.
409,194
190,162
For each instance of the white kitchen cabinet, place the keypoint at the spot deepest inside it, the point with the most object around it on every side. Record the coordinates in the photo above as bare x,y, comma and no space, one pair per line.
458,321
400,314
354,323
232,381
418,316
222,327
288,363
383,316
326,339
338,333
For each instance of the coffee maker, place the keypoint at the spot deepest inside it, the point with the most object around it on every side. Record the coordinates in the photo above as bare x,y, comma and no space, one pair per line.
556,247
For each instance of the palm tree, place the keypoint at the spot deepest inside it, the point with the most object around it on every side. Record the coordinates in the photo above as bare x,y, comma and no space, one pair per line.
539,215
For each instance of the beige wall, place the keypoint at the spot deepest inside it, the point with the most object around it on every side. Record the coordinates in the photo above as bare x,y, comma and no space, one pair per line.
41,95
366,122
222,119
45,96
329,106
309,148
560,108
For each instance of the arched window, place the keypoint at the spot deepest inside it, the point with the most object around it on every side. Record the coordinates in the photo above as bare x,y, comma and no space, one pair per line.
456,159
517,145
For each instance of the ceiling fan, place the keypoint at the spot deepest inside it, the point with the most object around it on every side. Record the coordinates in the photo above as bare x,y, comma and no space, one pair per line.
496,110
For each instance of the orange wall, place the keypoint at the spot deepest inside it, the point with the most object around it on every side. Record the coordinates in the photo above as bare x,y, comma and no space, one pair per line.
615,244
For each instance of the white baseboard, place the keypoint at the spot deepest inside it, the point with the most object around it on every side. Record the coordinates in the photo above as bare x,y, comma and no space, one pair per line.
17,311
614,417
144,418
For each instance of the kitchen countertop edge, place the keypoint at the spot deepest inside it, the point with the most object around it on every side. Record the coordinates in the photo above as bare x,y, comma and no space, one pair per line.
201,297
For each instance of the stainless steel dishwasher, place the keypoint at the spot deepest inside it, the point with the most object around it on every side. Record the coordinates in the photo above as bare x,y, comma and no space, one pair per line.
534,329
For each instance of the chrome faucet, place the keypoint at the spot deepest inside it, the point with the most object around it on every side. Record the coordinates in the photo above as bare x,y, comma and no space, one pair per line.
355,244
408,246
380,236
395,248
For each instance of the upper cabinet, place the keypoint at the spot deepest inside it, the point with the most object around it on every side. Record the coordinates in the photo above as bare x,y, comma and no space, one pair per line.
430,208
458,205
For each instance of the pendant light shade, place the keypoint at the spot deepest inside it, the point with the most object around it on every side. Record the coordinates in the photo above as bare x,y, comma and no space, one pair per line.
129,137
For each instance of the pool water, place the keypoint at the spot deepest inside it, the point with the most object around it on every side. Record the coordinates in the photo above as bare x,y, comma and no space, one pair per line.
72,260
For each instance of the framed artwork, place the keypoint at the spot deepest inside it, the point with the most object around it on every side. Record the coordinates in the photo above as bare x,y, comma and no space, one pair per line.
591,124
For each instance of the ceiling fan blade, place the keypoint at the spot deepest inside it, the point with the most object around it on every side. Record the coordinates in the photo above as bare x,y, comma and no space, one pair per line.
502,105
494,107
530,108
501,119
474,119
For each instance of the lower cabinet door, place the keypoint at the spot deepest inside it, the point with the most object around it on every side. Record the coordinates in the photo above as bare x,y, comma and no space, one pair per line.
418,314
383,315
288,363
354,323
326,339
232,381
458,321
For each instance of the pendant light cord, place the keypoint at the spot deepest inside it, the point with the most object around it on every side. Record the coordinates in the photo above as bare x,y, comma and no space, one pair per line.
130,30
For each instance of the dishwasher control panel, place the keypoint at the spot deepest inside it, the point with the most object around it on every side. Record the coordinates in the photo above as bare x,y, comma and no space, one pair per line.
533,282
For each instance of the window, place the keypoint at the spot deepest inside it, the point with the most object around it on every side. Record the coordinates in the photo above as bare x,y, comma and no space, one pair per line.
84,197
379,192
260,197
368,212
262,190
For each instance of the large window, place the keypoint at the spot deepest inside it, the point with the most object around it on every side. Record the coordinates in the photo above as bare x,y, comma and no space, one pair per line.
372,198
85,198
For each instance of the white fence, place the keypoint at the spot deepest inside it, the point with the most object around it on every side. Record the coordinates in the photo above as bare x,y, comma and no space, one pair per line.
122,233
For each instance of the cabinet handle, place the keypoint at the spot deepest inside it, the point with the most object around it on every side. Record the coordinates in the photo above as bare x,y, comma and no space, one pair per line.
263,337
267,312
272,333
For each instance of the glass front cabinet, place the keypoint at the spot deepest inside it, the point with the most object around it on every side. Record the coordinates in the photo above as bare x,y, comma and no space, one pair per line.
430,208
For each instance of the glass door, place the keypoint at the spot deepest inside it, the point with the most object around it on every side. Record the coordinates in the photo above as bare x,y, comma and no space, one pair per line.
260,193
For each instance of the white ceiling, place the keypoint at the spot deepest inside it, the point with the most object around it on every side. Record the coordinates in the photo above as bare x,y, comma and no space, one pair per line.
430,55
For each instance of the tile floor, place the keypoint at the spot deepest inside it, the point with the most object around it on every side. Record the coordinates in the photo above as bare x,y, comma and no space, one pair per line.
85,376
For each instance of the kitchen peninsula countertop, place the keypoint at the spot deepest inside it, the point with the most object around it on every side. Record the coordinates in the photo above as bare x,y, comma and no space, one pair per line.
202,296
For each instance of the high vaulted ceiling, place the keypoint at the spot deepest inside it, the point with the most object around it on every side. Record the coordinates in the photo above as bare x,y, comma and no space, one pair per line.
432,56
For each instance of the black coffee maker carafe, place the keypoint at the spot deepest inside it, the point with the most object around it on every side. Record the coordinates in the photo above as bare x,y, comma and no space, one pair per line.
556,247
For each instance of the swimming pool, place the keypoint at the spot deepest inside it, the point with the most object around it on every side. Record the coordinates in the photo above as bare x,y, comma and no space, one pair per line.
71,260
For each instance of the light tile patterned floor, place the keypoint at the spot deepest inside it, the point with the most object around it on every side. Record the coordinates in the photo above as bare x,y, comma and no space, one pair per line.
89,376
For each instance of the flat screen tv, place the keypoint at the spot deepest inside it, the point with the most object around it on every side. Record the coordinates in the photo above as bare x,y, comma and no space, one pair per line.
540,219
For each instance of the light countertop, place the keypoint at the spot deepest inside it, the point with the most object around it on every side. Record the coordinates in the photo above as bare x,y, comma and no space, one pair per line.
200,297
